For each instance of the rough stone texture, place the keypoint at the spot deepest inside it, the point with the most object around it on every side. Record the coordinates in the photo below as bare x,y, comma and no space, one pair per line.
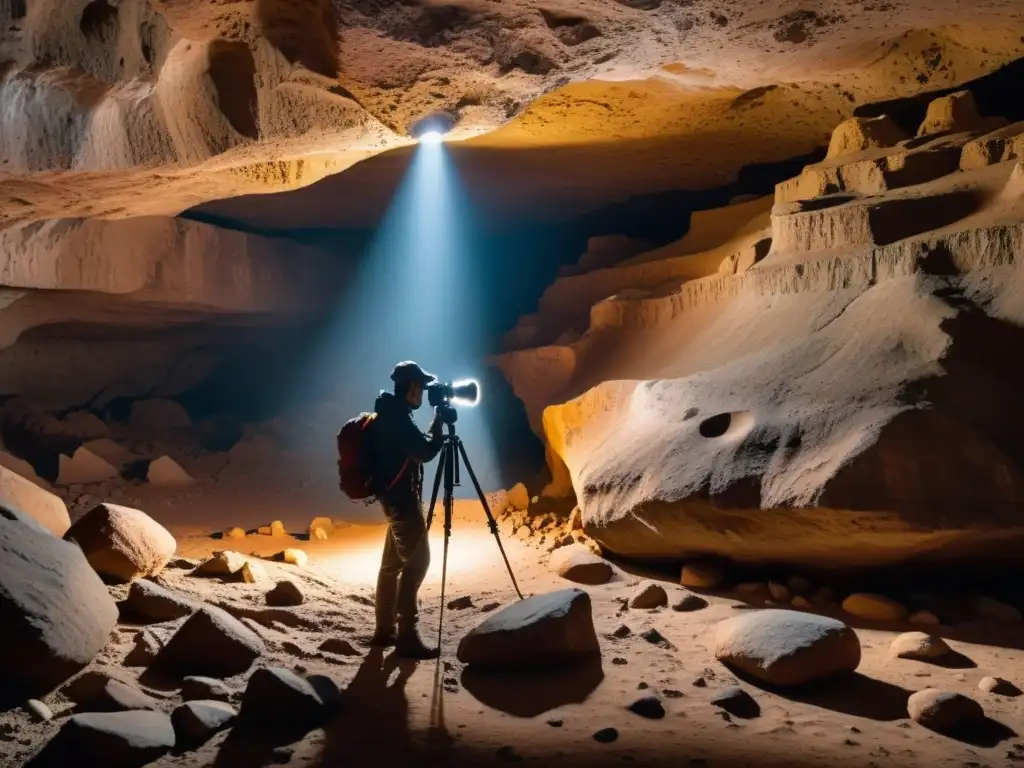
166,472
211,643
796,387
152,602
943,711
253,572
647,595
918,645
874,607
956,112
44,507
285,593
121,543
145,649
689,602
55,612
787,648
860,133
577,563
539,631
124,739
277,697
195,721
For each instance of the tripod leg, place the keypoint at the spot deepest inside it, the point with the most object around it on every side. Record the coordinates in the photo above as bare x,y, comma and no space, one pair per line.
451,468
491,522
437,485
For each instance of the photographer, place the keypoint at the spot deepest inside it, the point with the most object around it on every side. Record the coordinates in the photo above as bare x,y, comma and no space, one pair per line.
399,451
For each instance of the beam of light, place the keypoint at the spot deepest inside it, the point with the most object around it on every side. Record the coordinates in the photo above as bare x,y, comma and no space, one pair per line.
431,137
416,294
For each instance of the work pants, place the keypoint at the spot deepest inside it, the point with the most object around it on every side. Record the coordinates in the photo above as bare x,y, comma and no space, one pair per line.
403,565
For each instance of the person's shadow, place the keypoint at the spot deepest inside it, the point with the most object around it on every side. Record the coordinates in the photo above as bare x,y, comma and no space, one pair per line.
374,730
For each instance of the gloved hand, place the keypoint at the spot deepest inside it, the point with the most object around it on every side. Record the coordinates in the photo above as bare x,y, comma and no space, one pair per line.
436,424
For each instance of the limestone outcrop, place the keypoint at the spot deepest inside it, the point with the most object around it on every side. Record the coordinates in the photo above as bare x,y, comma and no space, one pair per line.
844,400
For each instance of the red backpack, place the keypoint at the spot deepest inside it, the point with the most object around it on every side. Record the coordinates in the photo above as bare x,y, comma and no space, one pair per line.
355,473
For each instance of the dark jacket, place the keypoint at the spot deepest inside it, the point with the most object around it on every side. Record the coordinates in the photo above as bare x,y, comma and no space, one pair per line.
399,449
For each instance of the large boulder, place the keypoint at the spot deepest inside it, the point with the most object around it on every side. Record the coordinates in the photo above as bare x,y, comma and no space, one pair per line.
55,612
787,648
539,631
211,643
117,739
956,112
122,543
41,505
275,696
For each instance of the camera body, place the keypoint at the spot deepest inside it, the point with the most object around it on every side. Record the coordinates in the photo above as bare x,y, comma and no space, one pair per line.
440,395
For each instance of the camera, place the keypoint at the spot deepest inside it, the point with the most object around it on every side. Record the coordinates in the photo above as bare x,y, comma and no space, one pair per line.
441,394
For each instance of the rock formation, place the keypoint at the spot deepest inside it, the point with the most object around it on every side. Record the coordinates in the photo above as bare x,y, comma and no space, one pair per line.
822,383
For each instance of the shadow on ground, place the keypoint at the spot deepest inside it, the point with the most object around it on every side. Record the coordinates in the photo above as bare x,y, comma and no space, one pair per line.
532,694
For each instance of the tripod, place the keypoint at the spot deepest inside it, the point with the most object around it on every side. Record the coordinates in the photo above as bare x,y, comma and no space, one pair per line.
448,466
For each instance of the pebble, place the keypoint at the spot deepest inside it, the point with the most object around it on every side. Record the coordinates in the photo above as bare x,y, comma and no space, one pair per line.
606,735
736,701
38,710
622,631
555,723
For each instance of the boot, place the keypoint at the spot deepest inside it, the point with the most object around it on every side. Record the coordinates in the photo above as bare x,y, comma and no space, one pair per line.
409,646
383,638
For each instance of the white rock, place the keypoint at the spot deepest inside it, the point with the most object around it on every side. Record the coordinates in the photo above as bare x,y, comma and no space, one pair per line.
918,645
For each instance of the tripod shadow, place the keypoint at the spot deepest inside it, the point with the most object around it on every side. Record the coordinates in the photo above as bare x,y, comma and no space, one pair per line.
374,730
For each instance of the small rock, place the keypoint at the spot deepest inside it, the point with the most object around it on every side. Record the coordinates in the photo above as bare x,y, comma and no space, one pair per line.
182,563
648,595
165,472
281,755
943,711
642,686
703,574
460,603
125,739
294,557
999,686
555,723
39,711
801,602
688,602
606,735
211,643
924,617
490,607
622,631
221,563
619,661
579,564
339,646
874,607
649,707
286,593
275,696
800,586
736,701
671,693
318,534
196,721
994,610
276,528
700,682
152,602
194,688
234,533
252,572
920,646
323,524
779,592
654,637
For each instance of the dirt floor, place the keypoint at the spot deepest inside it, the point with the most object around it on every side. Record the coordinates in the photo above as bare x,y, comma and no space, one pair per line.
405,713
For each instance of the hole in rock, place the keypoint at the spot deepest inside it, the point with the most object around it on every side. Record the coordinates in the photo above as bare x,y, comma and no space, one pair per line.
232,71
734,424
98,18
